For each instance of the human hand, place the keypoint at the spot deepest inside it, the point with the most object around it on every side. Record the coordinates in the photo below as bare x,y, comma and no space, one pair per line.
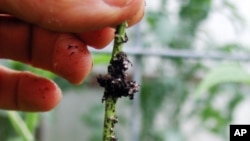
54,35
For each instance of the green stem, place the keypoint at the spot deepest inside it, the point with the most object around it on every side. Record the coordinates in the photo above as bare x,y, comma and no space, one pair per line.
20,126
110,102
109,119
120,38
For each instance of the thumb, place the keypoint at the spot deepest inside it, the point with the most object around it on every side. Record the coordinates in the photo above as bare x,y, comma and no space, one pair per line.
77,15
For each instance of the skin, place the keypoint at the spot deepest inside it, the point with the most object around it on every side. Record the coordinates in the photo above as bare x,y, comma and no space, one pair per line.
54,35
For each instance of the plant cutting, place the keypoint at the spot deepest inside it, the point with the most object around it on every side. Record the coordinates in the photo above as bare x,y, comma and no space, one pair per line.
115,82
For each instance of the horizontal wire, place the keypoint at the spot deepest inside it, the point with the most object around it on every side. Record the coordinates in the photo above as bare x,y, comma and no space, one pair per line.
174,53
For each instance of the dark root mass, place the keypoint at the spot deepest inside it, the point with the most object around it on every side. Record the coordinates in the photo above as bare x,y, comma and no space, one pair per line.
115,82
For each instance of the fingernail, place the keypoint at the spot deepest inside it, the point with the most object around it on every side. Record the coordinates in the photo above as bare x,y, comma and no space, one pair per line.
118,3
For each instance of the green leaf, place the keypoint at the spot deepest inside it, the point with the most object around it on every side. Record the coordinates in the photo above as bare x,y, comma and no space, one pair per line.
32,121
101,59
223,74
20,66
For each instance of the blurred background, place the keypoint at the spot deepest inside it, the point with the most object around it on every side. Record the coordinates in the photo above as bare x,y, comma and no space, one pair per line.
191,58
